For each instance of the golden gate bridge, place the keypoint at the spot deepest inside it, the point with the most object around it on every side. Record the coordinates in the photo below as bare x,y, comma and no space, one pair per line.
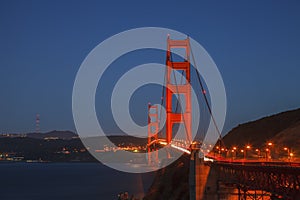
253,179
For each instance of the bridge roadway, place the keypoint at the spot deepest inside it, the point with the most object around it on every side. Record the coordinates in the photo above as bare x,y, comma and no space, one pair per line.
278,179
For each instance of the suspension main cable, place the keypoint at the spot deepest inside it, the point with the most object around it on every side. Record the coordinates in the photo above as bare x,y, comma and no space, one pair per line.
205,97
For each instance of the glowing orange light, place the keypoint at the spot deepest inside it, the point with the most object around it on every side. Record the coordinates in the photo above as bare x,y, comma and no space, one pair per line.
270,143
248,147
242,150
234,148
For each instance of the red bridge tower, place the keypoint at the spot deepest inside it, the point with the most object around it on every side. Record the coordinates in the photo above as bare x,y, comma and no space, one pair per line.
173,89
153,126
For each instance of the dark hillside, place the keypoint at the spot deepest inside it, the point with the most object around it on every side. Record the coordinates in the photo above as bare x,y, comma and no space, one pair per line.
258,132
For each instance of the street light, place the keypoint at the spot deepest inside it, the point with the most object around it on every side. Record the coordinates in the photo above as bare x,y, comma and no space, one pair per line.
222,152
242,151
234,151
218,149
270,144
267,150
288,151
247,148
258,153
291,155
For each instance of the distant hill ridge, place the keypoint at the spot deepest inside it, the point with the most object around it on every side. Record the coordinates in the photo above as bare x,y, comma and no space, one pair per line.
69,135
282,129
65,135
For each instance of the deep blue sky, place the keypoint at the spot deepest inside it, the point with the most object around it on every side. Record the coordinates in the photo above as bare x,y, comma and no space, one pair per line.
255,44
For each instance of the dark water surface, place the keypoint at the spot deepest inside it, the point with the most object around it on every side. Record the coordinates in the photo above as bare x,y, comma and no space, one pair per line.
63,181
